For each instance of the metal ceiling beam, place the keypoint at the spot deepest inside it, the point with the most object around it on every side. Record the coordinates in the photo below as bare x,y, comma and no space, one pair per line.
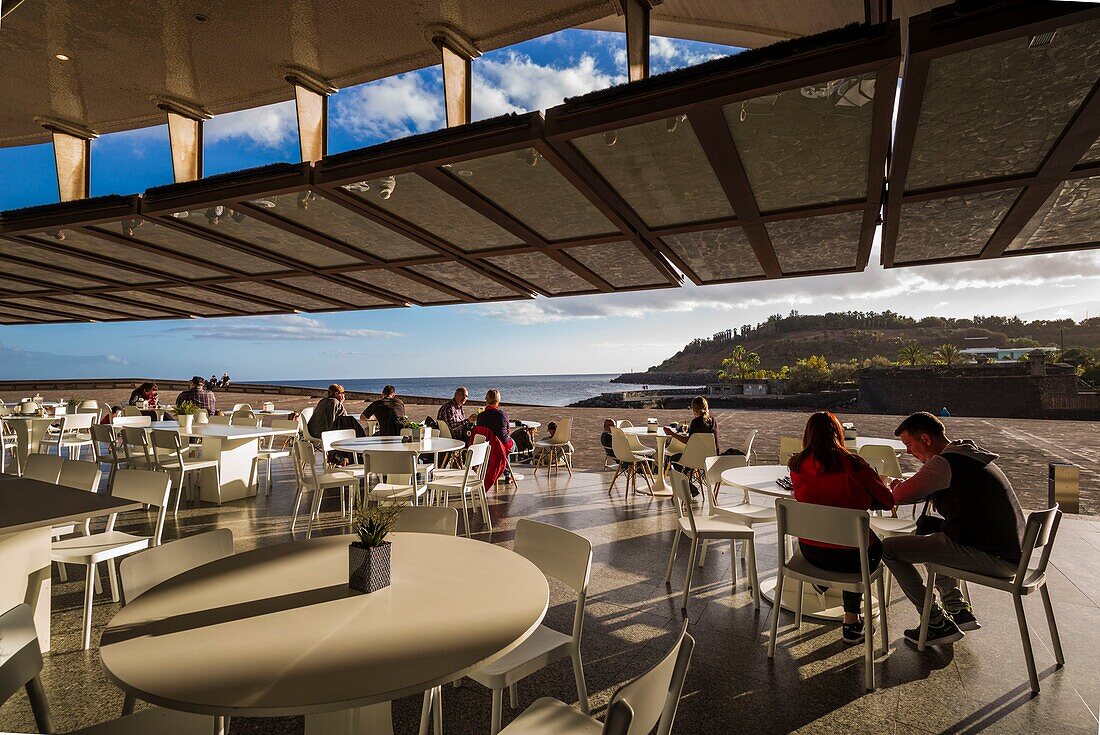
879,154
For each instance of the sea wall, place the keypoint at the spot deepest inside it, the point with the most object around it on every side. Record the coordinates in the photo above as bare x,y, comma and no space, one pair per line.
700,377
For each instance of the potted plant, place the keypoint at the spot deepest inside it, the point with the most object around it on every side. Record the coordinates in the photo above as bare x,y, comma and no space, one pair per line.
415,431
369,557
71,405
185,414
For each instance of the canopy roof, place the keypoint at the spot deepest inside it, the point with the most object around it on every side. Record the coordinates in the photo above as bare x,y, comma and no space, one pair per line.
767,164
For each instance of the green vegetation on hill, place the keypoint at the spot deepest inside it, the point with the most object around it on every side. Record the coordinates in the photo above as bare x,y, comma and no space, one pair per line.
851,339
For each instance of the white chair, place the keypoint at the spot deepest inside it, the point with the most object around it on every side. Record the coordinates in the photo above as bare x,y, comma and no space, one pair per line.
143,486
244,417
464,483
9,442
712,527
1042,527
788,447
427,519
303,427
43,467
21,664
558,447
105,445
170,454
401,484
120,422
146,569
131,411
746,512
567,557
79,475
636,445
74,435
699,448
841,527
628,463
887,455
636,708
273,448
220,420
312,481
241,407
137,448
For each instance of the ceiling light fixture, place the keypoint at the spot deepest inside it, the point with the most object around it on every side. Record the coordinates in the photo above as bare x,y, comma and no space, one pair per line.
61,57
201,18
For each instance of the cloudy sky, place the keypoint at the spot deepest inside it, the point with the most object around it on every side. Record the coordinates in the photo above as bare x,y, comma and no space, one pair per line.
587,334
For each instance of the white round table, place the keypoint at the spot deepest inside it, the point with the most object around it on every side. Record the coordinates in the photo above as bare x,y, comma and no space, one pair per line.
762,479
394,444
29,431
660,489
277,631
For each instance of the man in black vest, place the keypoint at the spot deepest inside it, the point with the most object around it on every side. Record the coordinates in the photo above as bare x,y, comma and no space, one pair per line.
982,529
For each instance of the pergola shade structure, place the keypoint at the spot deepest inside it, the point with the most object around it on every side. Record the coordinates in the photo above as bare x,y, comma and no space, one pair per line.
995,150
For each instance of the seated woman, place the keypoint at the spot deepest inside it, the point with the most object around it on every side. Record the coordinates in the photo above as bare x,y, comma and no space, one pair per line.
703,423
144,392
330,414
495,420
825,473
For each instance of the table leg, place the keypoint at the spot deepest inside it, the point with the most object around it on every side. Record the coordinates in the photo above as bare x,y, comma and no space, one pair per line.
373,720
235,457
660,488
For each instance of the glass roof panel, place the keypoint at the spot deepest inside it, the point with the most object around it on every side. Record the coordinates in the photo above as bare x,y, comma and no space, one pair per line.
717,255
317,213
82,312
532,191
10,281
18,270
464,279
89,301
268,237
953,227
325,287
416,201
399,285
28,314
1092,155
806,146
660,170
186,304
1069,216
265,290
216,297
181,242
543,271
816,243
997,110
620,264
133,257
75,262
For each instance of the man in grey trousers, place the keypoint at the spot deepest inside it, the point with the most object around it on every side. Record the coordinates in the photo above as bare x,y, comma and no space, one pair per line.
982,528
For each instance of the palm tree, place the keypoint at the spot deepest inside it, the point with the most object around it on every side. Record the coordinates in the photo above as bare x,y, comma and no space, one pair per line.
948,354
911,354
739,365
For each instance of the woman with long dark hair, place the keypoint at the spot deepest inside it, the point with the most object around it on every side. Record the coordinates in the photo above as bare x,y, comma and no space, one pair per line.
826,473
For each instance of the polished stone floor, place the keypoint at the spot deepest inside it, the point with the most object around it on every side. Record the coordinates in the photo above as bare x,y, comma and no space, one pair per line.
815,683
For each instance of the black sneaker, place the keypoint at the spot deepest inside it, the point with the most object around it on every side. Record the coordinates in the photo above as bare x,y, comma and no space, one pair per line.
946,632
853,633
964,618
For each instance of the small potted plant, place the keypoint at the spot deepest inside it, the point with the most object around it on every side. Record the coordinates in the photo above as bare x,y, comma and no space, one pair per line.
185,414
369,557
71,404
415,432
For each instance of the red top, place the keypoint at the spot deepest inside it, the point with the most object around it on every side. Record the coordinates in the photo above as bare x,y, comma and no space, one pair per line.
857,486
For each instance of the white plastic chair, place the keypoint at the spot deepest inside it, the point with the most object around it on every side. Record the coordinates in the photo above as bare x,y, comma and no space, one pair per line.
567,557
788,447
746,512
465,483
220,420
312,481
146,569
401,484
244,417
143,486
79,475
427,519
21,664
712,527
628,463
272,449
558,447
699,448
1042,527
169,451
650,700
105,445
75,434
9,442
137,447
131,411
241,407
43,467
887,455
842,527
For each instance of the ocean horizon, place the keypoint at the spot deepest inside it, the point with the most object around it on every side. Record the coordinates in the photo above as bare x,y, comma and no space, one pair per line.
540,390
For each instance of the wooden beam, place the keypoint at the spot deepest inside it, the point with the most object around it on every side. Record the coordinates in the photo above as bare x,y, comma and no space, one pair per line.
881,122
311,105
72,154
714,137
456,54
914,78
185,122
637,38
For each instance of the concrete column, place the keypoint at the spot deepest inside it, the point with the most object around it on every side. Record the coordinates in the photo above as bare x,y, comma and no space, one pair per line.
457,54
311,103
637,38
72,153
185,138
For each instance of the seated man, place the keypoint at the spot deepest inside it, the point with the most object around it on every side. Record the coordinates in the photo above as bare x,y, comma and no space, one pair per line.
451,413
389,410
982,528
605,441
198,394
330,415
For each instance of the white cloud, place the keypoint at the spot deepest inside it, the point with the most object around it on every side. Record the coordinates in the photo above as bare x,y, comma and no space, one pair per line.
269,329
516,83
666,54
393,107
271,126
18,363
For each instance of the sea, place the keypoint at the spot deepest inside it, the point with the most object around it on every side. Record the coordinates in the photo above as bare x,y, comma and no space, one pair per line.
540,390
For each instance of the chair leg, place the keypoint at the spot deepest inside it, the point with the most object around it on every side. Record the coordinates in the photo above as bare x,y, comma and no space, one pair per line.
578,674
753,579
498,709
112,577
513,696
40,706
926,611
775,611
1053,626
869,639
703,551
62,573
690,573
128,702
672,556
89,590
466,512
426,711
97,584
618,469
883,603
798,609
1025,639
297,502
437,710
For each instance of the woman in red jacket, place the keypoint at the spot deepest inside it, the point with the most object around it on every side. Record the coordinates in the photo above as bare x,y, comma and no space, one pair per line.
826,473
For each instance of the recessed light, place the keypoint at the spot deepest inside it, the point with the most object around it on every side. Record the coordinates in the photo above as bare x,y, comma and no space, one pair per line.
200,17
61,57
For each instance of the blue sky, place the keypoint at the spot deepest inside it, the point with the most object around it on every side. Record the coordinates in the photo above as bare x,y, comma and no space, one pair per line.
607,333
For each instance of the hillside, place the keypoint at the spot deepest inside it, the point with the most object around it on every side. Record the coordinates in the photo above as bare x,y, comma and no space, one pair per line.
846,336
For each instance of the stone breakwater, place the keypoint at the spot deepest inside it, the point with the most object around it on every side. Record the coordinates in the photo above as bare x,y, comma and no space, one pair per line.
700,377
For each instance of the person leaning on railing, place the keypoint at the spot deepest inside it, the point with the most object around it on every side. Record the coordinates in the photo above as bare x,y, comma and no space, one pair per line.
981,530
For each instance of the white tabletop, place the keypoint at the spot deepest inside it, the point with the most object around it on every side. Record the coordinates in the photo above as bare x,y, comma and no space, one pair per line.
276,631
758,479
371,444
527,424
220,431
644,431
25,417
862,441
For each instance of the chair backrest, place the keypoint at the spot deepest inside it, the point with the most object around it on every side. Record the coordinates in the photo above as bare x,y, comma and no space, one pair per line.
220,420
652,698
564,432
621,446
788,447
696,451
241,407
169,440
427,519
73,422
202,416
825,523
307,413
80,475
105,437
42,467
244,417
479,439
624,424
681,495
143,486
305,463
715,466
131,411
20,654
749,441
146,569
444,430
890,467
122,421
334,435
1042,527
392,463
135,444
564,555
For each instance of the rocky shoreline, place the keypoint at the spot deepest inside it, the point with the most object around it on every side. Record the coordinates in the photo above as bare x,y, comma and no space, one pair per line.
699,377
